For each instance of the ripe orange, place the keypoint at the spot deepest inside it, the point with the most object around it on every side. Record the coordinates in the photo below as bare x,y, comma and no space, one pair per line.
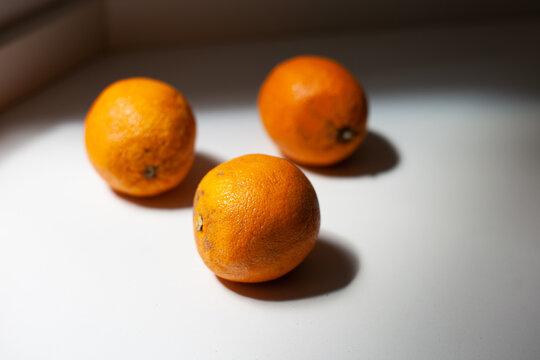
140,136
314,110
255,218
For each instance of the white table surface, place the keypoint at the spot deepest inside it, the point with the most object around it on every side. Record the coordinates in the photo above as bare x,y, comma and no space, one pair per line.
430,235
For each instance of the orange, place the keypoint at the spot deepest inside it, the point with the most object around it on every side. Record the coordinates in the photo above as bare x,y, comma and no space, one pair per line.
255,218
140,136
314,110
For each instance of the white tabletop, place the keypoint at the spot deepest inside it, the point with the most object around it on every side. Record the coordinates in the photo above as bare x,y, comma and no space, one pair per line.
430,235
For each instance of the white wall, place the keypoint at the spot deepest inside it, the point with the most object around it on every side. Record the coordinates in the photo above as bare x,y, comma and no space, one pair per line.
71,31
133,23
13,10
46,45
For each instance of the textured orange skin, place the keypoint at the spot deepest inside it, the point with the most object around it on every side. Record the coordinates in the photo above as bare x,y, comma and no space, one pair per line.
260,218
305,102
139,123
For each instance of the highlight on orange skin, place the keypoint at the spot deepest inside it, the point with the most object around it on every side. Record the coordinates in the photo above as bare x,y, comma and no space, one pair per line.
255,218
314,110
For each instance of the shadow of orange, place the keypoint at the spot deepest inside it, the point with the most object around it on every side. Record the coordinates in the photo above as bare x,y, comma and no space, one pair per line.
329,267
375,155
182,195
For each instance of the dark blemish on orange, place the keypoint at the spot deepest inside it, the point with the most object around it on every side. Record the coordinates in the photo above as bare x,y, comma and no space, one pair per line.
198,194
208,245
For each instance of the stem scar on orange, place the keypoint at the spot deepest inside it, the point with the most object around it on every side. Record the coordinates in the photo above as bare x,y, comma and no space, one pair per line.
140,136
255,218
314,110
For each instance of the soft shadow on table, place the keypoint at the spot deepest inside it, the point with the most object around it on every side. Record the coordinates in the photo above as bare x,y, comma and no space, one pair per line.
182,195
375,155
329,267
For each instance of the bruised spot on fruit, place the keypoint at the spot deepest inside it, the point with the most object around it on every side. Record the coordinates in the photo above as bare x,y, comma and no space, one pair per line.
150,172
208,244
220,173
146,150
346,134
198,194
199,223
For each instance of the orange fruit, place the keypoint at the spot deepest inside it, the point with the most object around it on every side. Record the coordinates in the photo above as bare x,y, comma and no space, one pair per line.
314,110
140,136
255,218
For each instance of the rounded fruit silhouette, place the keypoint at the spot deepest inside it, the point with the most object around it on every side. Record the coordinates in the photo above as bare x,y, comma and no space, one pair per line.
314,110
140,136
255,218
